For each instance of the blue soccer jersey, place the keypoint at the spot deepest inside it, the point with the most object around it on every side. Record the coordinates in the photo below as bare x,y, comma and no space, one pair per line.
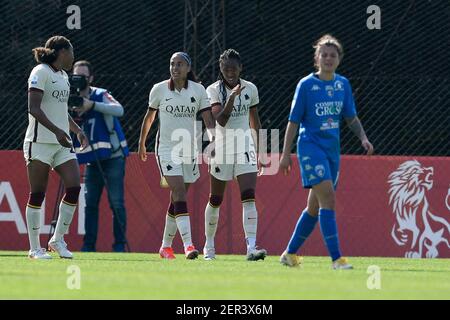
318,107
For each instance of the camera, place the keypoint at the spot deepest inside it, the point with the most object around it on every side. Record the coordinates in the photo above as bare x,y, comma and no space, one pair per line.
77,84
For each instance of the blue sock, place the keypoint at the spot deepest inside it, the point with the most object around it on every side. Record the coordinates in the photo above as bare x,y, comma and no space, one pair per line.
327,220
305,225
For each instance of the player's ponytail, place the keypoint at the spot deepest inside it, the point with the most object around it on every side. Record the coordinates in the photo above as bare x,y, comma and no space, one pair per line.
44,55
49,53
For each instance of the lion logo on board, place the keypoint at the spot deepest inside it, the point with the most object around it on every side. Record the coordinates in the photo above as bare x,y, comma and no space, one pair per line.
416,226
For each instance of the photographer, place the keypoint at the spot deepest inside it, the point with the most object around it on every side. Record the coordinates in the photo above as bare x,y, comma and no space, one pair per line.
105,156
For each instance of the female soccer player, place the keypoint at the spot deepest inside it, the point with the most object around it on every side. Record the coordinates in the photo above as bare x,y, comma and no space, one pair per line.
48,144
178,101
321,99
234,104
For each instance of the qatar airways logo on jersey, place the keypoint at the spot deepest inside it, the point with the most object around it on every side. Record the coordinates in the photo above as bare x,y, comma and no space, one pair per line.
181,111
240,110
330,108
61,95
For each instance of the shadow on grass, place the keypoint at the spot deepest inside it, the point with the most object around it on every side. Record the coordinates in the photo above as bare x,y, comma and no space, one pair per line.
13,255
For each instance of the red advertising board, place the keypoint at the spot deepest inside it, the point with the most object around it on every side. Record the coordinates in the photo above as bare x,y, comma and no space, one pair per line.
386,206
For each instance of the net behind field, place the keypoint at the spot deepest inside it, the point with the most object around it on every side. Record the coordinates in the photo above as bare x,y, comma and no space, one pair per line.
399,73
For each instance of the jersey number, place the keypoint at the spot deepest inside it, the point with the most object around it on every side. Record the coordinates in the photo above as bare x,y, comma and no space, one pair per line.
91,122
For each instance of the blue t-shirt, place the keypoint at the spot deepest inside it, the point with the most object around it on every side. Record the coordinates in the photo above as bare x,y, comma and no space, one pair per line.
318,106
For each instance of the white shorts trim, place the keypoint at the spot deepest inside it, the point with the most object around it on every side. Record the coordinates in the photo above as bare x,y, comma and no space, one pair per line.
243,164
169,168
50,153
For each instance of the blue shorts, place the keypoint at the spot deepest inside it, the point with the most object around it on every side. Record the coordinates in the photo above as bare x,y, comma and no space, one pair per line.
317,166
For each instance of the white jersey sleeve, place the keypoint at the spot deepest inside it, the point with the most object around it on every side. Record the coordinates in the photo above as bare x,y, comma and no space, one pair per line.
154,98
38,79
255,97
203,99
213,94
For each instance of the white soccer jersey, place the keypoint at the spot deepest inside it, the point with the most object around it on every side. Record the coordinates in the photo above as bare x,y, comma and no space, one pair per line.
231,141
177,117
56,89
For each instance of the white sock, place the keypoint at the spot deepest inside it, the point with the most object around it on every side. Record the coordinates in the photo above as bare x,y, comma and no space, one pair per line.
211,221
170,230
184,227
66,213
250,222
33,226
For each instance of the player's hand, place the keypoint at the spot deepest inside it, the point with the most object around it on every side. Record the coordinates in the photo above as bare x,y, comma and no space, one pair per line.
237,90
142,152
63,138
83,139
285,164
367,146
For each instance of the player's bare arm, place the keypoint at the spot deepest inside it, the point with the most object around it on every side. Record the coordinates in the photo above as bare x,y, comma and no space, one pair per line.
223,114
255,124
286,162
355,125
34,108
79,133
145,128
210,124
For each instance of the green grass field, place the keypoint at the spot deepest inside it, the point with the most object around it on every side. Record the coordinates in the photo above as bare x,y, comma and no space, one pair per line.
146,276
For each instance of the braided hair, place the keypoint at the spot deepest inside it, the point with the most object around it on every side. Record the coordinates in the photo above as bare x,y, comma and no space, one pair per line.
227,55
